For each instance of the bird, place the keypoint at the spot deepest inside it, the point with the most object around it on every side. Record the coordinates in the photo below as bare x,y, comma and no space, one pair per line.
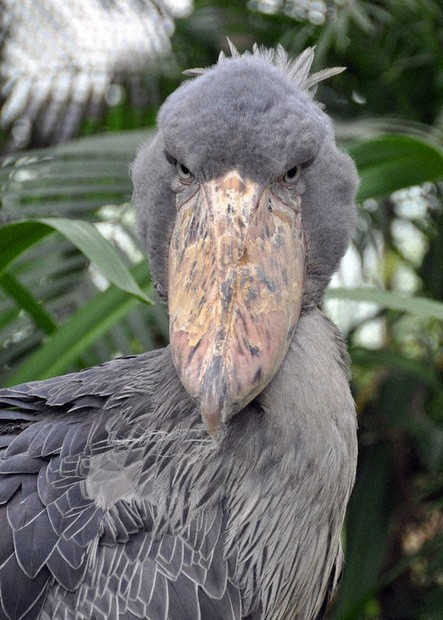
208,479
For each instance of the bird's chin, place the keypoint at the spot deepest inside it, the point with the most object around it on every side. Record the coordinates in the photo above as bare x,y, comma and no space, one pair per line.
236,274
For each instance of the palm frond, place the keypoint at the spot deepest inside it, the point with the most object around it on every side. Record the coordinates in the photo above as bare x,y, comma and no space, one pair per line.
85,179
62,62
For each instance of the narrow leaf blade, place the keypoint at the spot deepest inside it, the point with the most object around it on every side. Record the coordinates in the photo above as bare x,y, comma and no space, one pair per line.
18,237
420,306
63,347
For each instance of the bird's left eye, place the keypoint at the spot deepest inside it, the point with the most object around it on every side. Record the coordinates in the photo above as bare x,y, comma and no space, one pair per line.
292,175
183,172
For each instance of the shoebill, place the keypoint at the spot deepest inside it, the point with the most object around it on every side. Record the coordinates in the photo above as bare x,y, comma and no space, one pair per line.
208,479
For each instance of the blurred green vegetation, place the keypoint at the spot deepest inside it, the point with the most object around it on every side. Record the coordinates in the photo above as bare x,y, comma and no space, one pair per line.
58,312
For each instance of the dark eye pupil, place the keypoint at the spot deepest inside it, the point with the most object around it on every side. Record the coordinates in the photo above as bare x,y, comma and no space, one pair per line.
291,173
184,170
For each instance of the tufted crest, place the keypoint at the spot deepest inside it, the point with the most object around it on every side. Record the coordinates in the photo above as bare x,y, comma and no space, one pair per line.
297,69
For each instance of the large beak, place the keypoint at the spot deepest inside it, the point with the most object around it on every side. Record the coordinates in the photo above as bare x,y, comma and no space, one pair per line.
236,272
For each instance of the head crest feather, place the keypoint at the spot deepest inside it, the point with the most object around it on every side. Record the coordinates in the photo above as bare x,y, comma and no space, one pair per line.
296,69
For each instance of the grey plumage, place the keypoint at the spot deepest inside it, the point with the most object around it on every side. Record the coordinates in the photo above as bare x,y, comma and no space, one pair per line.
115,502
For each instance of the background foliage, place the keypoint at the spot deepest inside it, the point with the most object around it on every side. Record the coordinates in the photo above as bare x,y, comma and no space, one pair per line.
70,297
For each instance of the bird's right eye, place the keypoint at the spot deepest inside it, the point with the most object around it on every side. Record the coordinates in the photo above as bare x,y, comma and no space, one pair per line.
183,172
292,175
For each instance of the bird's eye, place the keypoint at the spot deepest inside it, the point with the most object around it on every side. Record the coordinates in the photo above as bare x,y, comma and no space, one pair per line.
292,175
183,172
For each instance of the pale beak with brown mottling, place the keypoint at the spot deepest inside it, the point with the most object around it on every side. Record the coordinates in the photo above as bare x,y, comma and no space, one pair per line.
236,274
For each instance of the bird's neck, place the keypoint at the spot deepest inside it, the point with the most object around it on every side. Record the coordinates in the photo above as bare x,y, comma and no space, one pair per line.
299,458
310,392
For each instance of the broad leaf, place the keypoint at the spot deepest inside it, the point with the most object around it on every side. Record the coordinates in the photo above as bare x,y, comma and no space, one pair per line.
17,238
392,162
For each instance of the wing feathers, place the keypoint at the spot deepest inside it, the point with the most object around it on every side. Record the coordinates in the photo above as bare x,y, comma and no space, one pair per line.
18,593
61,551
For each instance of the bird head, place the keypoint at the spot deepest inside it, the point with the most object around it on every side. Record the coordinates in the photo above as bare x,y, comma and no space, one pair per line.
246,207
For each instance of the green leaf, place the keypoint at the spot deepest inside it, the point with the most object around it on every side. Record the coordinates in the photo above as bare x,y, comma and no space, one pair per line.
17,237
27,301
395,161
88,240
389,358
61,350
367,530
420,306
